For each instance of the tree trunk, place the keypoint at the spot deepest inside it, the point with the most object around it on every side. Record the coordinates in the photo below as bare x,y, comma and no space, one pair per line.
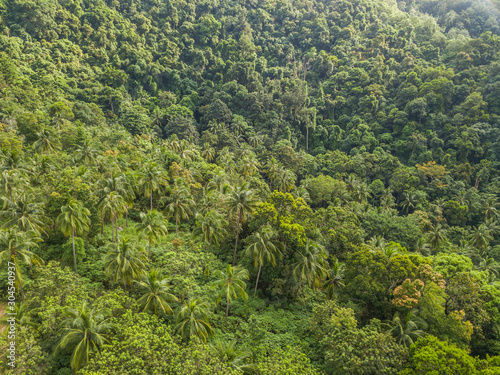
307,137
74,251
126,218
257,281
227,310
112,231
176,224
151,201
149,255
116,227
236,243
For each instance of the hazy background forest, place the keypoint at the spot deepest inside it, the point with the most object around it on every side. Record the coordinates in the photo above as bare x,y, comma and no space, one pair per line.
251,186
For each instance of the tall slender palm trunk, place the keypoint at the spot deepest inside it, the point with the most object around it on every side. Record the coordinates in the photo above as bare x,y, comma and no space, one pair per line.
257,281
227,310
74,251
176,225
151,200
116,227
237,235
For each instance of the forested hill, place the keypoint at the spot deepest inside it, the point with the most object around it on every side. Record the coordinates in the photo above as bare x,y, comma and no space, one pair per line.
266,187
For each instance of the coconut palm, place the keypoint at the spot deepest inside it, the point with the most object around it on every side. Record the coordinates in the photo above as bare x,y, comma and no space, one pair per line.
210,228
43,164
422,246
152,179
125,261
73,219
490,265
241,204
335,276
83,333
208,152
12,159
46,142
22,317
409,202
11,182
285,180
227,351
153,226
24,213
192,320
255,139
116,206
156,289
272,168
408,329
362,192
14,248
490,208
310,265
86,153
480,237
437,237
180,203
264,248
231,283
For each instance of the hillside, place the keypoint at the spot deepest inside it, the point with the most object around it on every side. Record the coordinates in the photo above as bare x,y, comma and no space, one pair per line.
252,186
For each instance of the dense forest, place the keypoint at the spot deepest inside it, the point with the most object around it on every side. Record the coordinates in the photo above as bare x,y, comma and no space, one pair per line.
250,187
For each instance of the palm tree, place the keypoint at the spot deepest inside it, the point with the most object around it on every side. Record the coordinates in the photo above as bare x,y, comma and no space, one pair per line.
86,152
120,183
43,164
241,205
408,329
24,213
310,265
462,198
272,168
263,247
192,320
231,283
116,205
12,159
180,203
157,294
22,317
409,202
73,219
153,225
362,192
14,248
335,276
490,208
11,181
125,261
490,265
46,142
480,237
285,180
422,246
210,228
83,333
437,237
151,180
226,351
208,152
